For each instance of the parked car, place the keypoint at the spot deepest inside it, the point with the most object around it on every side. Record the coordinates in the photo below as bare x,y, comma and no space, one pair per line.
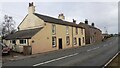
5,49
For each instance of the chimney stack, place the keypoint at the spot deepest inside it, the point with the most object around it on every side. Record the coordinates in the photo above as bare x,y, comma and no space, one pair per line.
74,21
93,24
86,21
31,8
61,16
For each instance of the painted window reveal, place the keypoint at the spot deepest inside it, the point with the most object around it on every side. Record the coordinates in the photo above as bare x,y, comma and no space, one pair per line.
13,41
76,30
53,29
82,31
75,41
67,30
54,42
83,40
23,41
67,40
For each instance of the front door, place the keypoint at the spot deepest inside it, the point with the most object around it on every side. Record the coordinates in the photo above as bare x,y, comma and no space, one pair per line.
60,43
79,41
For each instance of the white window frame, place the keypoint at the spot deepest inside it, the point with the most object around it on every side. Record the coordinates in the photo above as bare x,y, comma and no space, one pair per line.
76,30
67,30
23,40
54,40
53,29
83,39
11,41
75,41
67,40
81,31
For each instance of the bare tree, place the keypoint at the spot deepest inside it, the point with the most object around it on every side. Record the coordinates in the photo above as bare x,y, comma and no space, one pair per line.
8,25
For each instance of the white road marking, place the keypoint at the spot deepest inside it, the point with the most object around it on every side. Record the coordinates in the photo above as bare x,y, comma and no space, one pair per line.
92,49
111,60
56,59
105,45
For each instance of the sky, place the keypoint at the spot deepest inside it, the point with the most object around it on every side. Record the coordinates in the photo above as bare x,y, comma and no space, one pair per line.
103,14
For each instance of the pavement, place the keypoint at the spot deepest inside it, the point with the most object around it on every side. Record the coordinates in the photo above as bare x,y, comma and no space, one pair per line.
92,55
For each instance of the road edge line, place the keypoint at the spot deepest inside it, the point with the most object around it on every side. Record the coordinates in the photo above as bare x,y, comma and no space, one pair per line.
111,59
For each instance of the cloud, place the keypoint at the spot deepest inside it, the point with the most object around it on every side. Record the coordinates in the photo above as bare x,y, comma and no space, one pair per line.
103,14
59,0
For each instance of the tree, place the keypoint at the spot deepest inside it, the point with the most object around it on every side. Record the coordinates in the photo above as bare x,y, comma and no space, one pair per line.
8,25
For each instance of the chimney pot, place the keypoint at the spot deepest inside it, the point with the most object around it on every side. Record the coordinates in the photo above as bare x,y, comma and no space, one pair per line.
93,24
74,21
31,8
86,21
61,16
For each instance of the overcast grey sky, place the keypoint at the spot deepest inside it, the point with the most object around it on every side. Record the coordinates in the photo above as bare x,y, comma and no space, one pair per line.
103,14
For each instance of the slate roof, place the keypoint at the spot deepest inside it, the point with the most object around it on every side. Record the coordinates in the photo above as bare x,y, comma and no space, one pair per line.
23,34
56,21
89,26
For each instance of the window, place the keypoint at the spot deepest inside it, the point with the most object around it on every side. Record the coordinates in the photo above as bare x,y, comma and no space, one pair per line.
75,41
82,31
67,40
76,30
10,41
23,41
83,40
54,42
13,41
53,29
67,29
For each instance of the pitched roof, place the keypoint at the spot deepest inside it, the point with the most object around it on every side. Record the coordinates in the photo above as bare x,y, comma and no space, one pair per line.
56,21
89,26
23,34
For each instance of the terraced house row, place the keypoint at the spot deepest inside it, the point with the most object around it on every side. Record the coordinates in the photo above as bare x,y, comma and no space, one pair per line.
43,33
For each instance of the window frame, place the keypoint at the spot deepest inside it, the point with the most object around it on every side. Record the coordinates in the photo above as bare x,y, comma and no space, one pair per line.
81,31
54,40
83,38
53,29
76,30
67,40
24,43
12,41
67,30
75,41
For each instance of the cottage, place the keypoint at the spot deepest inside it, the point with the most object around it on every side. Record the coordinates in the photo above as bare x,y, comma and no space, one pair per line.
44,33
92,33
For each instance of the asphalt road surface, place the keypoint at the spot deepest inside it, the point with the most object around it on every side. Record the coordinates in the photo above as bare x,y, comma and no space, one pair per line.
92,55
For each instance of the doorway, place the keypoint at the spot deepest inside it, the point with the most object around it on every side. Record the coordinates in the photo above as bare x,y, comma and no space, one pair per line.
60,43
79,41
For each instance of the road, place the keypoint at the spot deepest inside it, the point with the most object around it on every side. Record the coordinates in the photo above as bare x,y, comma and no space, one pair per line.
90,55
0,55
